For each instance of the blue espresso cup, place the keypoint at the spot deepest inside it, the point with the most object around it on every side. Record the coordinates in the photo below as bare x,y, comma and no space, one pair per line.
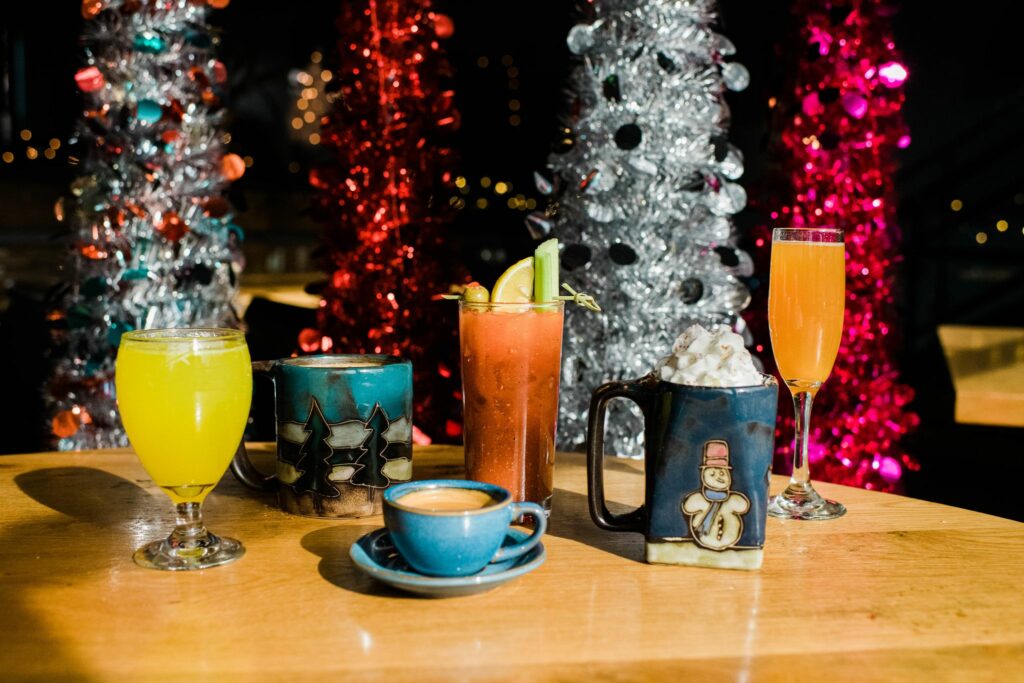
457,542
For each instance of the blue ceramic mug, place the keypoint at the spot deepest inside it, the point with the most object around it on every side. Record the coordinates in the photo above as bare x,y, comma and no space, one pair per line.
708,457
344,433
452,527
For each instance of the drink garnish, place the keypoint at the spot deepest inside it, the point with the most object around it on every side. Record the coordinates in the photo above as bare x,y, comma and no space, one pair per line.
476,293
533,279
515,286
545,266
579,298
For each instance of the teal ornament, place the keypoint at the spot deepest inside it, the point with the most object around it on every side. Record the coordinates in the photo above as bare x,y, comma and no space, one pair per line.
148,111
115,331
237,232
94,287
135,274
92,366
149,42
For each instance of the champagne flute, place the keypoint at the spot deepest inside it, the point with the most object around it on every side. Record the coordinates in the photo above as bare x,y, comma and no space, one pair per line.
806,298
184,397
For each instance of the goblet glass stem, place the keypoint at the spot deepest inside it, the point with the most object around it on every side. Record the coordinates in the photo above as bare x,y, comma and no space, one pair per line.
800,500
190,533
190,545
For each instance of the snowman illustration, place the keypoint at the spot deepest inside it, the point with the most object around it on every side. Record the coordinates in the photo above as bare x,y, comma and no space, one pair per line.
715,512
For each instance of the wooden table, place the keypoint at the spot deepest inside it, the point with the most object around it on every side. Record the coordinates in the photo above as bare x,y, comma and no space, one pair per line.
987,365
898,589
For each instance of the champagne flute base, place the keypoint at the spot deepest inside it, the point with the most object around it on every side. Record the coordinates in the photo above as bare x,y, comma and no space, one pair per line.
167,555
804,504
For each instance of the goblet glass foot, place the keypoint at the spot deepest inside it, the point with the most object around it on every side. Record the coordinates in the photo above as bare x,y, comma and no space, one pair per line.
211,551
804,503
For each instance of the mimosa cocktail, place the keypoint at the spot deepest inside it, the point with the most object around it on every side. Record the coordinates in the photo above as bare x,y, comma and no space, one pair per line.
806,300
184,397
805,307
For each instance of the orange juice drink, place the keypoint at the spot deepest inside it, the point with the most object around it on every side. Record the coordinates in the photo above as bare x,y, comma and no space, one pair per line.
511,362
805,308
185,405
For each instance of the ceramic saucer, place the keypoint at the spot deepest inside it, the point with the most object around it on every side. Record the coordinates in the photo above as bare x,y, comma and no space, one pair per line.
374,555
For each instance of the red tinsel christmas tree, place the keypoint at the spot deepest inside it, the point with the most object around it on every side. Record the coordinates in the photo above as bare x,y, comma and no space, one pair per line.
840,137
391,114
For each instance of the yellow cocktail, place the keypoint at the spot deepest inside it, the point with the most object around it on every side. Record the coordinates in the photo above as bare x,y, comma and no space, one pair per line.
806,299
184,398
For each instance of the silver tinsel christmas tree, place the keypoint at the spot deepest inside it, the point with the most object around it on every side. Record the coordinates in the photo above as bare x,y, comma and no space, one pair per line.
643,188
153,242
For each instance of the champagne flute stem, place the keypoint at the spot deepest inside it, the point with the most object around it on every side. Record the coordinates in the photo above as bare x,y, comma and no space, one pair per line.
800,479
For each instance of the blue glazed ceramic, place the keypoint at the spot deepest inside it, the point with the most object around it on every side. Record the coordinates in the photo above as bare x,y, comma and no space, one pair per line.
457,543
708,459
374,554
344,432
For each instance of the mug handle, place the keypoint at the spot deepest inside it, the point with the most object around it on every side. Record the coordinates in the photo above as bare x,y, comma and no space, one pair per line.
241,466
639,393
517,510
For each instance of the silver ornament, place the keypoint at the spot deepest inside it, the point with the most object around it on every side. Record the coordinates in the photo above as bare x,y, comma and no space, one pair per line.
735,76
580,38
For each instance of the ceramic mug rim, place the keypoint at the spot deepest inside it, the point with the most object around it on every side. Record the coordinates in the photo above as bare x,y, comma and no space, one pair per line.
395,491
327,361
768,381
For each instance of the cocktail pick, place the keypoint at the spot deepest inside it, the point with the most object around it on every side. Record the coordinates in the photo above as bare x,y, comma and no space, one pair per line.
579,298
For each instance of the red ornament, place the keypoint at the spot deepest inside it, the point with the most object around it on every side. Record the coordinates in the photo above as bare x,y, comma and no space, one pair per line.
171,226
91,8
309,340
841,162
93,252
219,71
89,79
65,424
232,167
444,27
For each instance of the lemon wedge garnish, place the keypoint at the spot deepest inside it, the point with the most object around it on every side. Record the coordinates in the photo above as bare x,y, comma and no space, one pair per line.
515,286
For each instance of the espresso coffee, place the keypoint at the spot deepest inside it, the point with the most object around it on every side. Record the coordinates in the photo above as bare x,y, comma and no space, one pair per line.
447,500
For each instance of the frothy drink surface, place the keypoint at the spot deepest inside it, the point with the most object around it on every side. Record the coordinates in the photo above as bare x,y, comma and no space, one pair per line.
335,362
447,499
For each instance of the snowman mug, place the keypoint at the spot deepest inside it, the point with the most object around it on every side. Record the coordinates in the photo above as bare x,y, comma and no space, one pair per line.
708,457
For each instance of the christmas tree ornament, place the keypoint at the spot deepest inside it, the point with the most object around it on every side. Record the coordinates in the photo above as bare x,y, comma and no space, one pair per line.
153,243
647,191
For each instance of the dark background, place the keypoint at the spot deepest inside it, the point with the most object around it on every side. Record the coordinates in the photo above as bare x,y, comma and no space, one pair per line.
964,107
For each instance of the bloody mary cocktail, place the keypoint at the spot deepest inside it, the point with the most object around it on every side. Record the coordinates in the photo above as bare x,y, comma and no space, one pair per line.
511,361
